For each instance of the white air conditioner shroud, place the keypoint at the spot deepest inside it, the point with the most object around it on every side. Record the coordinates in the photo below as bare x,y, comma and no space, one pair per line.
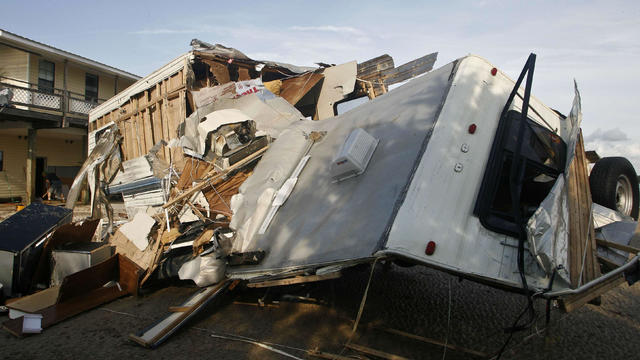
354,155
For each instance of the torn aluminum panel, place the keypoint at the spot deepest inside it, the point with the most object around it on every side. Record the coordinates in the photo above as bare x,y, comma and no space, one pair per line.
272,116
106,147
548,228
603,216
71,258
548,231
339,82
619,232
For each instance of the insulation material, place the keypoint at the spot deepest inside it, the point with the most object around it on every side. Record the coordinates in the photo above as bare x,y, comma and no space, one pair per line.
203,270
137,230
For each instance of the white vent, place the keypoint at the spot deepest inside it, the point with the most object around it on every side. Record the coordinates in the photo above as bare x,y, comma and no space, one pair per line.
354,155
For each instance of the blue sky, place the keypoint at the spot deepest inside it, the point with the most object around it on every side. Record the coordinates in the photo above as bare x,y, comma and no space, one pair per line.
595,42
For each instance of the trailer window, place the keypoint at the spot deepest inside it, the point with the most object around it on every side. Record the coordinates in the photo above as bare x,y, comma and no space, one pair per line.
544,153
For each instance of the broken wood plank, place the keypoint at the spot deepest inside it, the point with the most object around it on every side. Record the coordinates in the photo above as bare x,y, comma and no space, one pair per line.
295,280
179,308
213,176
613,245
604,261
573,302
374,352
294,89
583,266
409,70
164,328
79,293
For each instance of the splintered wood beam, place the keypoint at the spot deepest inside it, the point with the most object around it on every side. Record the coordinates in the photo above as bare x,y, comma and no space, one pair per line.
409,70
294,89
295,280
583,265
574,302
604,261
214,176
159,332
613,245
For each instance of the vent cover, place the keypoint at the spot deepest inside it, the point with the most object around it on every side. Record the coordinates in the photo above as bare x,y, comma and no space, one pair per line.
354,155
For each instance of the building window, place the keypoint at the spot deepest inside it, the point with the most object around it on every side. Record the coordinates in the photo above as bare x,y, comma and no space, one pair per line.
46,76
91,87
1,160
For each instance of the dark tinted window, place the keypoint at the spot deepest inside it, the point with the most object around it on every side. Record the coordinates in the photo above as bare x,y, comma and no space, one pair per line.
91,87
544,154
46,76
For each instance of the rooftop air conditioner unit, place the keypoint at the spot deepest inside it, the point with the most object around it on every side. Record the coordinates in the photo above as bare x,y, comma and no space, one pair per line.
354,155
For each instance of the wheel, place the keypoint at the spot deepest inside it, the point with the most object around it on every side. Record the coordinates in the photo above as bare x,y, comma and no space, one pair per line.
614,184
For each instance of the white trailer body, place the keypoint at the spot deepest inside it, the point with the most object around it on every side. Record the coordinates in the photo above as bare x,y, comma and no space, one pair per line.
422,186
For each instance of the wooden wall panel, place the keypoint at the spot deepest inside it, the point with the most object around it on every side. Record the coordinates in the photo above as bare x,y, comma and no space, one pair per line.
582,240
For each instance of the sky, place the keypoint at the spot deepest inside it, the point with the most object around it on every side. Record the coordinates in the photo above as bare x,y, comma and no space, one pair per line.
597,43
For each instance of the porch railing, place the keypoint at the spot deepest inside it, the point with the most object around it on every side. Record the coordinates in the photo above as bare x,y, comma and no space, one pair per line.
16,92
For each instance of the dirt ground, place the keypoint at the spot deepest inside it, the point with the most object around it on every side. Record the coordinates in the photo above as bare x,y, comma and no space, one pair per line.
415,300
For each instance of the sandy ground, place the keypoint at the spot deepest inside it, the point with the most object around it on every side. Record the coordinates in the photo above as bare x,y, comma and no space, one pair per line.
415,300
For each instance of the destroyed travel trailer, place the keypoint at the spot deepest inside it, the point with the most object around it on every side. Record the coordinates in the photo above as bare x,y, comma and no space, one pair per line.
237,172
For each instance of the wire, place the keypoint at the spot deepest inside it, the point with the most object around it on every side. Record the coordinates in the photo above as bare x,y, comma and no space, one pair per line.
446,339
361,309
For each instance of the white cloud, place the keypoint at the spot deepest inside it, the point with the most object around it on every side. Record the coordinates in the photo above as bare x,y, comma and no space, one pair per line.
611,135
628,149
164,31
329,28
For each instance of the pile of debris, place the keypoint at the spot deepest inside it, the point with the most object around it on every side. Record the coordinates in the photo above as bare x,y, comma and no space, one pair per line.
236,171
178,146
